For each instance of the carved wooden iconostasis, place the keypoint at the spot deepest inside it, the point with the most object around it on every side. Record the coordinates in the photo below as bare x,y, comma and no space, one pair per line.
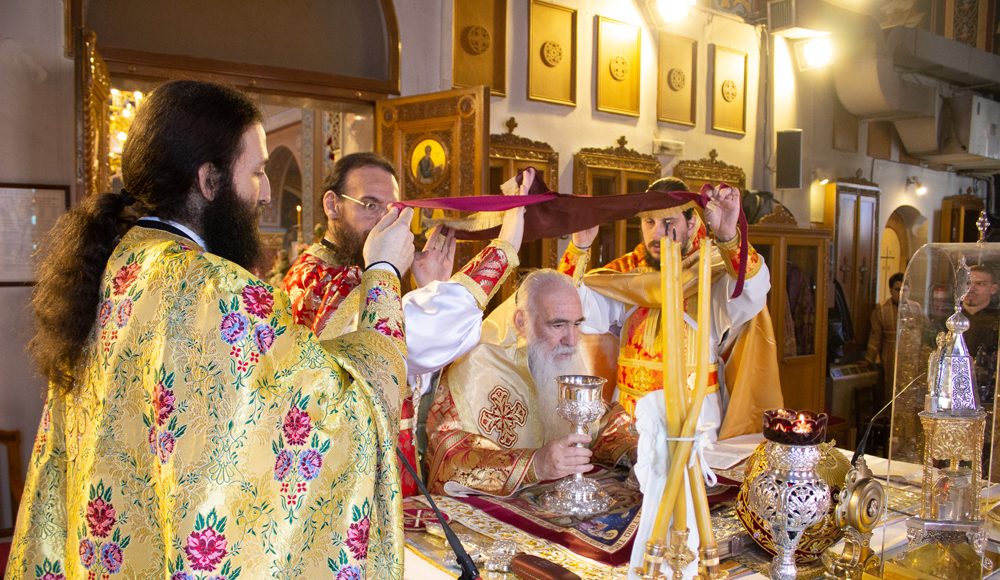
709,170
439,143
509,154
613,171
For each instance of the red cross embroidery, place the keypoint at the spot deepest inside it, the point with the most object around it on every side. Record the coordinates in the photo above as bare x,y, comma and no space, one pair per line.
503,417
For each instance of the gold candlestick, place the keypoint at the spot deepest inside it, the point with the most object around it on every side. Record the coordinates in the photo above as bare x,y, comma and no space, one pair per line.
298,223
678,555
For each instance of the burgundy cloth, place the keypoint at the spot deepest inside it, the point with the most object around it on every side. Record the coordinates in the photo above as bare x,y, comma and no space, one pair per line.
549,214
4,556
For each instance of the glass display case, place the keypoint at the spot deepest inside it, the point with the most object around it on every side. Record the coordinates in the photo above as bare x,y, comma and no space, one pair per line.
943,436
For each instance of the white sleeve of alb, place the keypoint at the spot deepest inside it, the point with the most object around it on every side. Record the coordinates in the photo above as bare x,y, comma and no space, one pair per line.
443,321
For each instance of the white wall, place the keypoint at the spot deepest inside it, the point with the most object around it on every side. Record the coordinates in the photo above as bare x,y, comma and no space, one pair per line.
36,146
805,100
569,129
425,35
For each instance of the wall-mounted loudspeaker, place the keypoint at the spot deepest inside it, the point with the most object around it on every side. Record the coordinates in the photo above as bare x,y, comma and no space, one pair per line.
789,159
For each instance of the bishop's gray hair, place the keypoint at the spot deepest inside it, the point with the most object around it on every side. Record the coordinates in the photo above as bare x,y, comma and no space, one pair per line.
536,283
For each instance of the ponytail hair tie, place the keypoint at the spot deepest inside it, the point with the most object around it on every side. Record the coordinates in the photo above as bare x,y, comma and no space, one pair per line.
127,198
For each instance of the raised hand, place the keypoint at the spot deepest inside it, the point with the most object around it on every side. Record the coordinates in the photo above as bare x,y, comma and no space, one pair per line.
722,212
391,240
512,230
583,239
437,260
561,457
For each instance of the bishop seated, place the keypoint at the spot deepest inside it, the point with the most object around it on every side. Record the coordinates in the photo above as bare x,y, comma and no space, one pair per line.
493,426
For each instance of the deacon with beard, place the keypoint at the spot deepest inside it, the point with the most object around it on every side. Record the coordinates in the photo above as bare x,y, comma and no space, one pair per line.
493,427
191,427
624,297
443,316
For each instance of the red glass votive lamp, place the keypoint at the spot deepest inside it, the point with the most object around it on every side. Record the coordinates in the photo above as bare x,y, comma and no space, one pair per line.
791,427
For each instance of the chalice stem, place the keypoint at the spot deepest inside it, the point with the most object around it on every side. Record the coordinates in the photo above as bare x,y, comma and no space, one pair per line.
581,429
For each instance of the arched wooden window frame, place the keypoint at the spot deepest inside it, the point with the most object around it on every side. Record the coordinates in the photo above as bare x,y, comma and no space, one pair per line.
126,63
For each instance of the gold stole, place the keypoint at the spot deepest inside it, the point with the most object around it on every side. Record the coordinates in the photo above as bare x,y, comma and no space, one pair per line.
493,397
752,377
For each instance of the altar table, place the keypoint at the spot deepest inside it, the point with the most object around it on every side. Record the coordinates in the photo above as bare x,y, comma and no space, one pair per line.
428,556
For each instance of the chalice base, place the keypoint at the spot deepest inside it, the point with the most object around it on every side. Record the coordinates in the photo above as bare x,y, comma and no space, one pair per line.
576,497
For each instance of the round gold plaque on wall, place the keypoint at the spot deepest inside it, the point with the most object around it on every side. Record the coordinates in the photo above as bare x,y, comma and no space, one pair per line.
729,91
476,39
551,53
676,79
619,68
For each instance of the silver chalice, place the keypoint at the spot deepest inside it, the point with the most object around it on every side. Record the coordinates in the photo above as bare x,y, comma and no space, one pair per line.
581,404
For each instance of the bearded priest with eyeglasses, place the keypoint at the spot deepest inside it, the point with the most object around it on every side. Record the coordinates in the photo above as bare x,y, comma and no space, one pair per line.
443,315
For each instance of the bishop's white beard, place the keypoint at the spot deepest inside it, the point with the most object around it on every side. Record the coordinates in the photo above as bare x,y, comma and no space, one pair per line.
544,369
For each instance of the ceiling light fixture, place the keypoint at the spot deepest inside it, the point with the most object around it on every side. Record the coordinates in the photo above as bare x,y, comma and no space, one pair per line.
812,53
674,10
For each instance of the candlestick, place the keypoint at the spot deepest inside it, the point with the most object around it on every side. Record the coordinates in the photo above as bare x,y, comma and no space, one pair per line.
672,361
699,496
298,223
682,451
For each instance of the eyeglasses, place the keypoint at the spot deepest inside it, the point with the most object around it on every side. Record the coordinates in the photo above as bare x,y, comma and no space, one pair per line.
370,206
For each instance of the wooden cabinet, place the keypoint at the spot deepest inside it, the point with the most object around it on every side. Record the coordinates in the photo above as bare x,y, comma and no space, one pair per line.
851,211
958,219
798,261
614,171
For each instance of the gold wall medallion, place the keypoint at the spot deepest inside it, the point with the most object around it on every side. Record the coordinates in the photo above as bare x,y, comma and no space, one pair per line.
675,97
676,79
729,90
619,68
618,52
552,53
476,39
479,44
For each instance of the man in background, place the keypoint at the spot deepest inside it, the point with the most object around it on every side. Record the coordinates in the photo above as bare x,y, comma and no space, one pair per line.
882,340
981,337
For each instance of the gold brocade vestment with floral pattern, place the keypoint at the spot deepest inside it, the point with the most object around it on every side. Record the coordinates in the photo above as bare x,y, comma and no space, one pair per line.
208,435
325,295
